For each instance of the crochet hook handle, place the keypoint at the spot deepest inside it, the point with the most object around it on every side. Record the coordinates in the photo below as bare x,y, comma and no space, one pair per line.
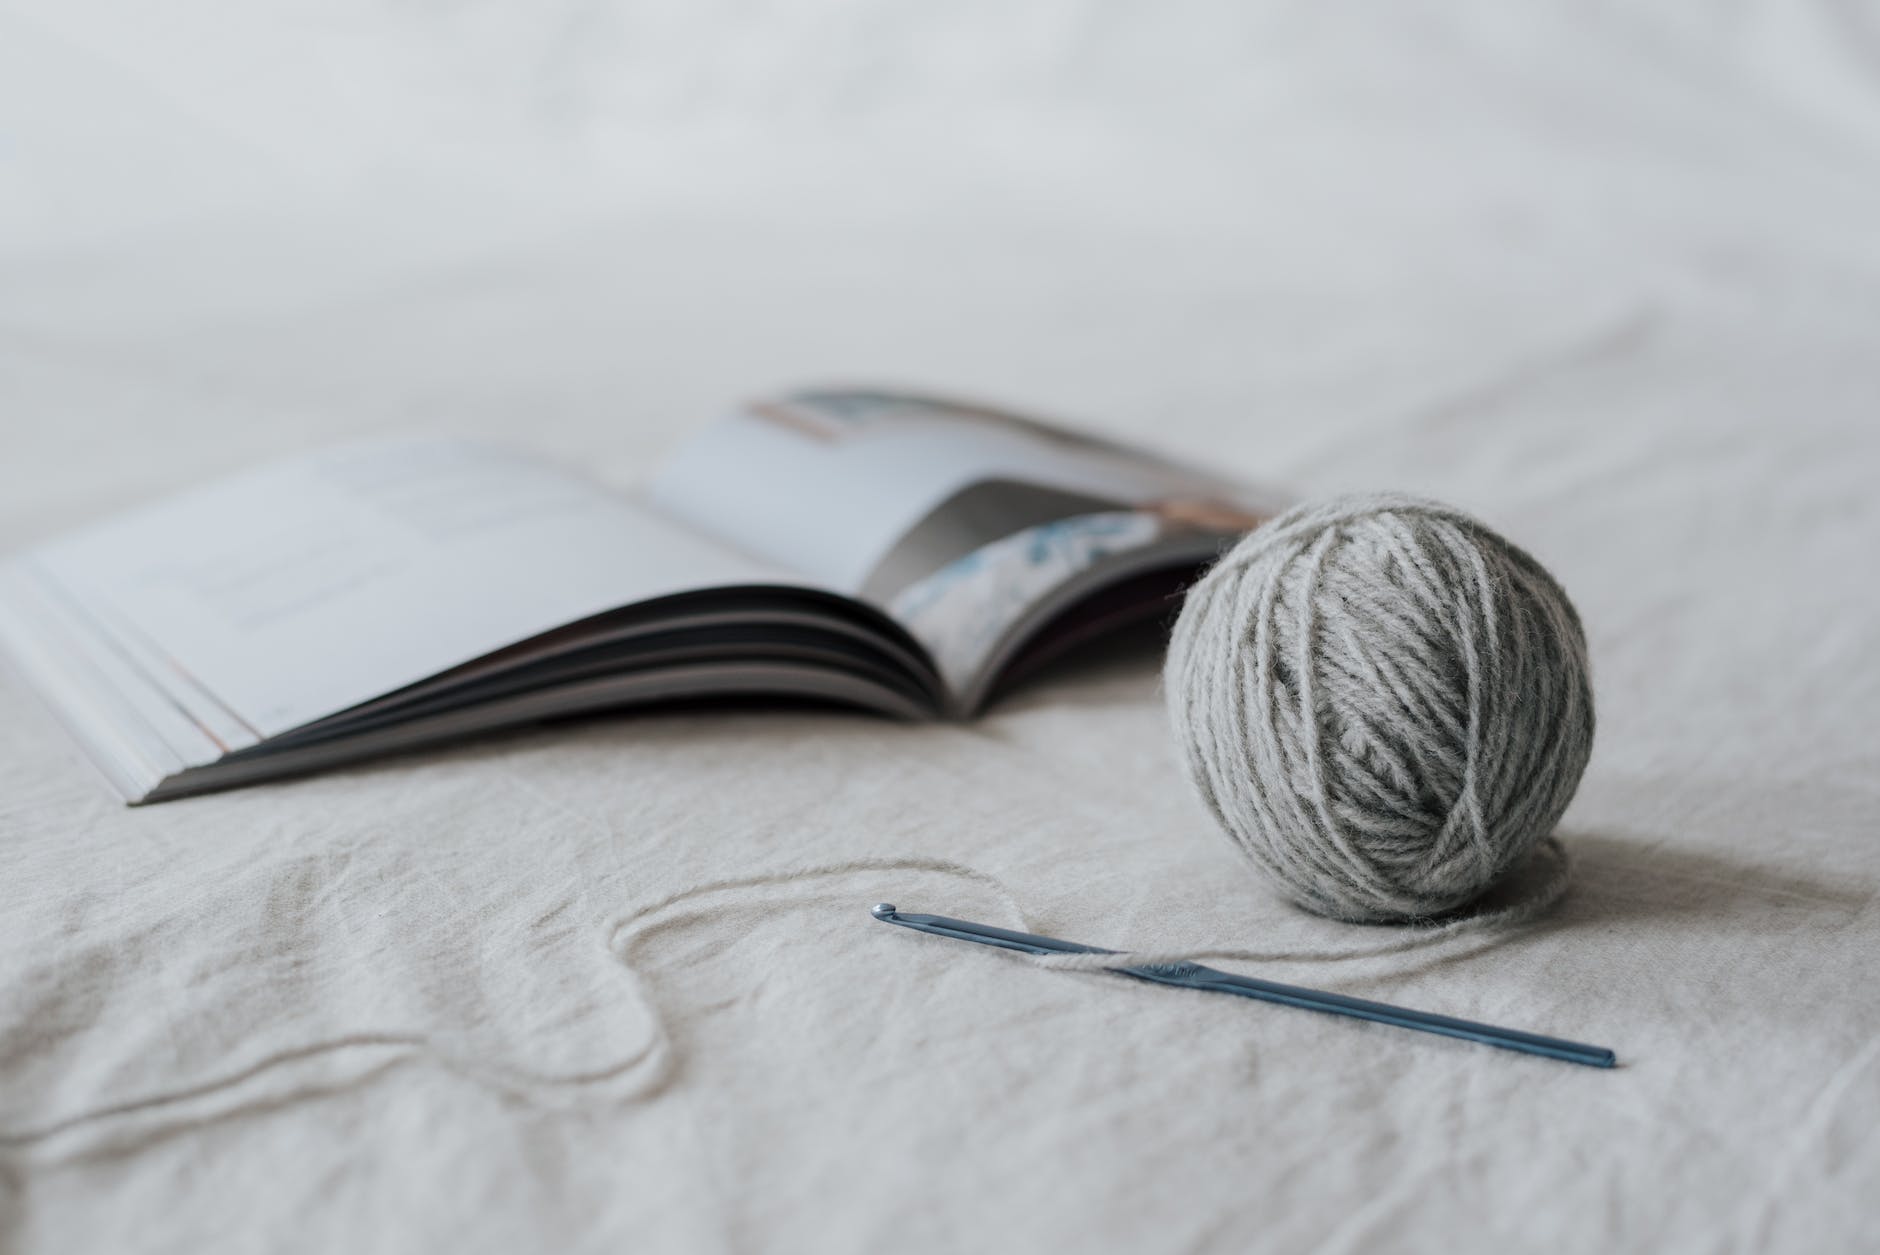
1196,976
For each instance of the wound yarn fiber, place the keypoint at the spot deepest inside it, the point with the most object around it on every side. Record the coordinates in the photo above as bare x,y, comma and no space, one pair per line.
1385,704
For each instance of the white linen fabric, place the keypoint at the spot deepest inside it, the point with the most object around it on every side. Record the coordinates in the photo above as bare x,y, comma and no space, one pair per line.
1607,278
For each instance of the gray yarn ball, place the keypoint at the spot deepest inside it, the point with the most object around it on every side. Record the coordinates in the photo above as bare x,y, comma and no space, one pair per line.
1384,703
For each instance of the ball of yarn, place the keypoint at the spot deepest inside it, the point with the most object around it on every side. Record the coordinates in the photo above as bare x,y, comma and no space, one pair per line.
1384,703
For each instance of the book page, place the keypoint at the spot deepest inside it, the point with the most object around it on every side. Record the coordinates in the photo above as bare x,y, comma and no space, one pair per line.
291,592
960,521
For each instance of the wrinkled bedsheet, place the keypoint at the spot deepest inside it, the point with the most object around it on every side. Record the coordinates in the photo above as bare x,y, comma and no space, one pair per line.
1607,276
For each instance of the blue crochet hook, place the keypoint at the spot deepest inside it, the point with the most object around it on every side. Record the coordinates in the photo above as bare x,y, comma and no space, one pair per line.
1195,976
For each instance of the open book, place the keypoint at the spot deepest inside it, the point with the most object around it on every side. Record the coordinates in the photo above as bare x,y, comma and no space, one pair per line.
892,552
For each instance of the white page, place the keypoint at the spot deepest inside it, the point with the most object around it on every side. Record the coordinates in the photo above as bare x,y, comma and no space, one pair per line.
964,524
301,589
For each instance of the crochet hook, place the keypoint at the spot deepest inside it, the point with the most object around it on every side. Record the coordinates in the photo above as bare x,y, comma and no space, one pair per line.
1195,976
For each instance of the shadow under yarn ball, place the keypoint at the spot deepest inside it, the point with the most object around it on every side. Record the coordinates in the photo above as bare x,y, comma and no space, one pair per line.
1384,703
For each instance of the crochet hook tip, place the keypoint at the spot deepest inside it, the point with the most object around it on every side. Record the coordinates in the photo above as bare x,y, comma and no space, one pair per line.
883,910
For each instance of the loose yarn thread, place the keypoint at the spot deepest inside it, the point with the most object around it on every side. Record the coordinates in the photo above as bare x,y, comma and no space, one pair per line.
1385,704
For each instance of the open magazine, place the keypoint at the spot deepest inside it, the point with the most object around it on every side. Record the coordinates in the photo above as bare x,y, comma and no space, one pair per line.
892,552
